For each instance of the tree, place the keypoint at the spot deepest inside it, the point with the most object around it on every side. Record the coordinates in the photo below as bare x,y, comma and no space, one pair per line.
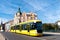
0,27
45,27
50,27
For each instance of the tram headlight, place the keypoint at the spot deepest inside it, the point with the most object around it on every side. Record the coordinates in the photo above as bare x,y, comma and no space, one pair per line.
34,21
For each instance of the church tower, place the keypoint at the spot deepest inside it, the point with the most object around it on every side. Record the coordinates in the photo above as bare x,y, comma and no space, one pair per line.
17,18
19,12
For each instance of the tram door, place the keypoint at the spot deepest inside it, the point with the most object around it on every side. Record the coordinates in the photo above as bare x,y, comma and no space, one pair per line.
28,27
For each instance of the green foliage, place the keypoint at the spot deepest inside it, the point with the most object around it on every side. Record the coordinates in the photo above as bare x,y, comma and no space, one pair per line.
0,25
49,27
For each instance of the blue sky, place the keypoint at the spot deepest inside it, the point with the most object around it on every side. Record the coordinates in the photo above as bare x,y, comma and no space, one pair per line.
47,10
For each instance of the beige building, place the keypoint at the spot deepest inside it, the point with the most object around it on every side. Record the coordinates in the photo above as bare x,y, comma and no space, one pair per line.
22,17
7,25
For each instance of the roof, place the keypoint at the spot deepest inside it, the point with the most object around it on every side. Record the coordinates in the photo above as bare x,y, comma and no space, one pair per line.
8,22
30,21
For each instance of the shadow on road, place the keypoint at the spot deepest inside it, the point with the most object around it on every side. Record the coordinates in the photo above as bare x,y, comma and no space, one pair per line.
48,35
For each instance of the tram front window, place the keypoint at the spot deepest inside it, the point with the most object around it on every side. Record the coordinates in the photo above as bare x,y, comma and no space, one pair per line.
39,27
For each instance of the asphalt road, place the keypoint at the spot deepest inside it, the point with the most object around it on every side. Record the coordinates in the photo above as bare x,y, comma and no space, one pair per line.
14,36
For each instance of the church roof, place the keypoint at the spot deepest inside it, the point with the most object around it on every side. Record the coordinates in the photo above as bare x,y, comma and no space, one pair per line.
19,11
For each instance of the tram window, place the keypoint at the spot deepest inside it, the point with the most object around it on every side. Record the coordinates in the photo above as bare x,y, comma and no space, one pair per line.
39,25
21,27
17,27
12,27
32,26
28,27
24,27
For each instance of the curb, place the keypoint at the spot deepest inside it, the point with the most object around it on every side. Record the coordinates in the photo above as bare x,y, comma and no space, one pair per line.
54,33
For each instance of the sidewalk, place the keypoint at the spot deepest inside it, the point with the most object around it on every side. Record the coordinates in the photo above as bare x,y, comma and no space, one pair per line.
1,37
54,33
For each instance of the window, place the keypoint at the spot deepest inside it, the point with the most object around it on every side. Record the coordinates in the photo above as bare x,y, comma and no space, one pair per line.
32,26
12,28
24,27
39,25
16,27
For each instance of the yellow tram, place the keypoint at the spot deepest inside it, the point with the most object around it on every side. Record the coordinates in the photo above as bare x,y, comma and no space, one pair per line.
31,27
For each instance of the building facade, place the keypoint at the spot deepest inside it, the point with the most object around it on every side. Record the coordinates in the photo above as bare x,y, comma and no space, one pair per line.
22,17
8,24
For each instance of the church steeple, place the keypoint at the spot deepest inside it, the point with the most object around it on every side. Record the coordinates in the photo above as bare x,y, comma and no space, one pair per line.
19,11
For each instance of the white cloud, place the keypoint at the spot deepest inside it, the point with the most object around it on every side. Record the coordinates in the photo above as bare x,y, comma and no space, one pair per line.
37,5
7,7
3,20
